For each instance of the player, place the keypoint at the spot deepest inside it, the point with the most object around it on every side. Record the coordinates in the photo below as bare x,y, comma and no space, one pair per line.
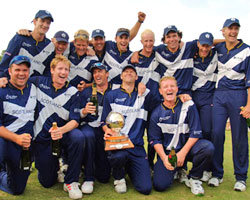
176,124
17,108
134,108
58,102
232,93
37,47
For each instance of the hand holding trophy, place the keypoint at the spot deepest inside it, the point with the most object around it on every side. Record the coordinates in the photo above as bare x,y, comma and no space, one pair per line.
115,121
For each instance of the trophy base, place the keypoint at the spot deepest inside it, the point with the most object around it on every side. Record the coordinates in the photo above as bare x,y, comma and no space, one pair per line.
118,142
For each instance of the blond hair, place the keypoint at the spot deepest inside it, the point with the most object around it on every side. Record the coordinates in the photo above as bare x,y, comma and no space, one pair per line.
82,35
147,31
57,59
164,78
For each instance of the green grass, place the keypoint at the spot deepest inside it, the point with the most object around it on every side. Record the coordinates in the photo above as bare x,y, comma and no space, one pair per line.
35,191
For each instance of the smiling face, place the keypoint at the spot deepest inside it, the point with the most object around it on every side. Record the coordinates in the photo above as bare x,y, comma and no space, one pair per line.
100,76
42,25
231,33
81,46
122,42
148,43
60,47
19,75
204,49
98,43
60,74
129,76
172,40
168,89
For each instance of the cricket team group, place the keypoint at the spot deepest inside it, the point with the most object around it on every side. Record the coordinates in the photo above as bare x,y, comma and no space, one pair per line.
180,94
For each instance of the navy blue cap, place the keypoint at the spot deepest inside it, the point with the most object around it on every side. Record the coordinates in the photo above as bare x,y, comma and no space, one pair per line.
129,66
206,38
61,36
98,65
98,33
44,14
123,31
170,28
231,21
19,60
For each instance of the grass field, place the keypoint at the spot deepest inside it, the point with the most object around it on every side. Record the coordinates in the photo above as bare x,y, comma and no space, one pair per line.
35,191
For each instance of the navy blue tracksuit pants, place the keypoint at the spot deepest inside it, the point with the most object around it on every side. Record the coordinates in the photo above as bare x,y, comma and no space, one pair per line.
200,155
13,180
47,165
203,102
135,163
227,103
89,153
102,166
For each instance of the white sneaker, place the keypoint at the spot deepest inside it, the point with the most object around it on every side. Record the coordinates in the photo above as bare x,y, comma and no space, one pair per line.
206,176
196,186
120,186
214,181
182,176
73,190
240,186
87,187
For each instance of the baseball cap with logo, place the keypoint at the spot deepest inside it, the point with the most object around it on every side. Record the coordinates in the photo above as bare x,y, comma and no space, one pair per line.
123,31
206,38
44,14
231,21
98,65
129,66
61,36
98,33
170,28
19,60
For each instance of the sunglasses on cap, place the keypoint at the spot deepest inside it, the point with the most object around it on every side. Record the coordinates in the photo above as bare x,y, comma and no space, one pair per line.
81,35
99,65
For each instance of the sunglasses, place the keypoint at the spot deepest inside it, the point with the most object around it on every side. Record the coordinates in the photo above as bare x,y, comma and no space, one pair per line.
98,65
81,35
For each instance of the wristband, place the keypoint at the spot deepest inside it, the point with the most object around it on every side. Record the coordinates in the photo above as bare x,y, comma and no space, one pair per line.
140,21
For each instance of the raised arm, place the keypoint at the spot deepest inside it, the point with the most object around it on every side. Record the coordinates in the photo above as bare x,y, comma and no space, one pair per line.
136,27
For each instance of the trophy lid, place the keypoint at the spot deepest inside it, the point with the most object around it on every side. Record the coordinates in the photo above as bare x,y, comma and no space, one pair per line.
115,120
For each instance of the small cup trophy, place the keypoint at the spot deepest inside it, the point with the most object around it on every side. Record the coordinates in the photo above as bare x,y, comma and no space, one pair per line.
115,121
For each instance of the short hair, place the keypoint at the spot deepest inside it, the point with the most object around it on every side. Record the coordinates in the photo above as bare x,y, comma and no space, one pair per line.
164,78
179,33
82,35
147,31
57,59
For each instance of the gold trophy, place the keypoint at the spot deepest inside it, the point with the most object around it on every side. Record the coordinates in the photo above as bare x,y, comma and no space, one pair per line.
115,121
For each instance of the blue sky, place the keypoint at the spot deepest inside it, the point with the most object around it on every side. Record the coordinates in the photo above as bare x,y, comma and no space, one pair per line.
191,16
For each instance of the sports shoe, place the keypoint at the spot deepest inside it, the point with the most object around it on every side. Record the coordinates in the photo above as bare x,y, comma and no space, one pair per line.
206,176
73,190
87,187
196,186
240,186
182,176
120,186
214,181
